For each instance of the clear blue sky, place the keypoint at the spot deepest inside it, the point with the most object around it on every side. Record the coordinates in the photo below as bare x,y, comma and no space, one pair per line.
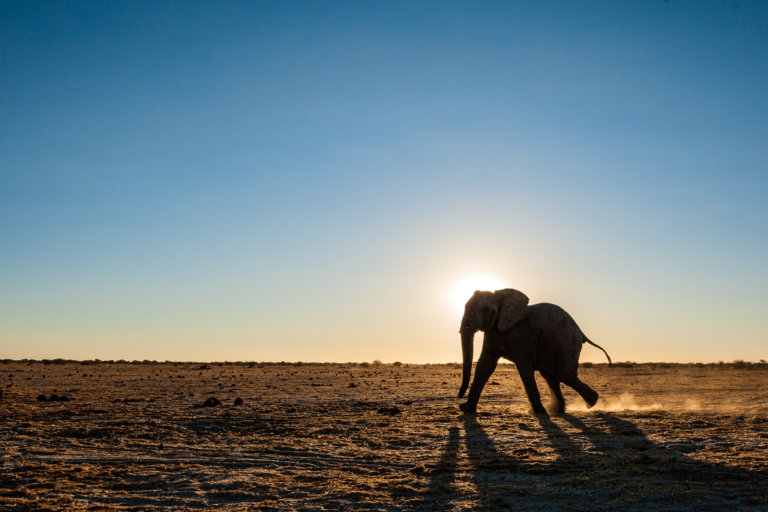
313,180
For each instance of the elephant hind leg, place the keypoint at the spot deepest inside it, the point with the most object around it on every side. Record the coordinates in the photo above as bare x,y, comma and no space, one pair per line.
589,395
557,405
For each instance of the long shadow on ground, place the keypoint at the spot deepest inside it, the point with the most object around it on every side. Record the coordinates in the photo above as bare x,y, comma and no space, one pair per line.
612,465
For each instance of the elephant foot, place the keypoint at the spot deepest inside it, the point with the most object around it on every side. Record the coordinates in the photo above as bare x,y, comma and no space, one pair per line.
556,408
591,399
468,409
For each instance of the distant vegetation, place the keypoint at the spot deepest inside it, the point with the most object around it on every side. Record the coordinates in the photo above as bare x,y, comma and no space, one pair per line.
737,364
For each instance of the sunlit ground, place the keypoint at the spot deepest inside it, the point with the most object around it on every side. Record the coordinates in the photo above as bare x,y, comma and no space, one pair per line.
377,437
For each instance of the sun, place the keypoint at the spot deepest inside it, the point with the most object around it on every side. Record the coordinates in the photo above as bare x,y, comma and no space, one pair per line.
466,287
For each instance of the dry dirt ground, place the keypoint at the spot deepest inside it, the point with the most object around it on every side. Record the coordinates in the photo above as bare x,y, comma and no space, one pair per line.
376,437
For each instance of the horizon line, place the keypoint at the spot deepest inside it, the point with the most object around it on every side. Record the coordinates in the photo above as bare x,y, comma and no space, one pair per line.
376,362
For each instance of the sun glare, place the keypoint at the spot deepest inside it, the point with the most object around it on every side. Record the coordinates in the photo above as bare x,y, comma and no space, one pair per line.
467,287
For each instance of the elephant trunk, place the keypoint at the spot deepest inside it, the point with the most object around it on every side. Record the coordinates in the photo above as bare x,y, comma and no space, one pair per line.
467,339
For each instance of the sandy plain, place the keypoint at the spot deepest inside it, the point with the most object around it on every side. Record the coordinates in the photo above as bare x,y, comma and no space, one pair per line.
377,437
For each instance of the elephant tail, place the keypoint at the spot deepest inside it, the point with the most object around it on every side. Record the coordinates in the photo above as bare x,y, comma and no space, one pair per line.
587,340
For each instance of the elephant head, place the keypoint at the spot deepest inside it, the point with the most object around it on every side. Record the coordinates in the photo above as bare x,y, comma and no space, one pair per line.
484,311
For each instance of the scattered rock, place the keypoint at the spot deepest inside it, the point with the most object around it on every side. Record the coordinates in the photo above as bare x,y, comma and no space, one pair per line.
418,470
238,401
53,398
352,385
390,410
362,405
682,447
209,402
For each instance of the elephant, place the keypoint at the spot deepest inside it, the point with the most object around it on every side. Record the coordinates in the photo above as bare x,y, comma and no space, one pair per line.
540,337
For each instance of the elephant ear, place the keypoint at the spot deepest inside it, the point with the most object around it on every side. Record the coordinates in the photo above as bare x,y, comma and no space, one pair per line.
512,308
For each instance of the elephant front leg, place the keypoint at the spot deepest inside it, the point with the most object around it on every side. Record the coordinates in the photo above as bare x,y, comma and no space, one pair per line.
486,364
531,389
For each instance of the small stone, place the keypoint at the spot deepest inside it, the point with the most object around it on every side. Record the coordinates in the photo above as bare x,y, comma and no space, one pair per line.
389,410
238,401
42,398
211,402
418,470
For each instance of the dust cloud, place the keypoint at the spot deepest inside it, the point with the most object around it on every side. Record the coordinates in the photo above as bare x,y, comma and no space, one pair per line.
625,402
